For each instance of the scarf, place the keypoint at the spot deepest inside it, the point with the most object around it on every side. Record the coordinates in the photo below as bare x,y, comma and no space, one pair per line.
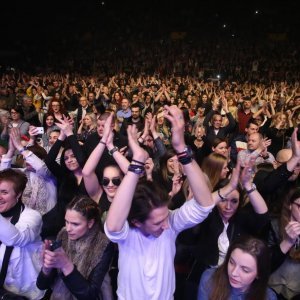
85,253
14,210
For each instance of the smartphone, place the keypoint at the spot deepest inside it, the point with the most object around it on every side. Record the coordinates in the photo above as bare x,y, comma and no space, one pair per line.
40,130
55,244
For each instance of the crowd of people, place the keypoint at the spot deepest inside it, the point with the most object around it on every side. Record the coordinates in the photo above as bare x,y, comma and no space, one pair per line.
149,186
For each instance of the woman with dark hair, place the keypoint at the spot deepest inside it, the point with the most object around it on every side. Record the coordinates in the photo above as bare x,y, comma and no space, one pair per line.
208,242
17,121
20,241
68,174
285,241
243,275
49,126
76,269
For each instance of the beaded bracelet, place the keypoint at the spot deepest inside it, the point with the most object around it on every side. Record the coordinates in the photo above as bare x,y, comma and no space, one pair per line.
138,162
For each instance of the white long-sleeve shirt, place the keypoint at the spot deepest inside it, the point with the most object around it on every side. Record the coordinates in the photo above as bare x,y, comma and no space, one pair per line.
146,263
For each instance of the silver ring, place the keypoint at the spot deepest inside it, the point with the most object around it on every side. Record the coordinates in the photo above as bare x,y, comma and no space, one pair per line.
249,170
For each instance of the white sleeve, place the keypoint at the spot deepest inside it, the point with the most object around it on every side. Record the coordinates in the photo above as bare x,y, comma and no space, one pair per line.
24,232
117,236
188,215
38,165
5,163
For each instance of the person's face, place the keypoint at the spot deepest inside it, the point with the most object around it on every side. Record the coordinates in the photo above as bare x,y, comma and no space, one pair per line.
221,149
224,171
253,142
49,121
71,161
247,104
15,116
148,99
204,98
100,127
27,101
217,121
201,111
135,113
242,270
295,210
156,223
253,128
111,181
56,95
125,104
87,120
83,102
76,224
53,138
134,98
149,141
230,102
55,106
8,196
200,132
170,164
228,207
91,97
117,96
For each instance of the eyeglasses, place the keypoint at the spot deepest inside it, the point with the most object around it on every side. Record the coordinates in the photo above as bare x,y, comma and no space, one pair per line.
115,181
55,105
149,140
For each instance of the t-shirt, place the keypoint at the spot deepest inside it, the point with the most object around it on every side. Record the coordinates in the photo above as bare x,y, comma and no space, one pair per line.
146,263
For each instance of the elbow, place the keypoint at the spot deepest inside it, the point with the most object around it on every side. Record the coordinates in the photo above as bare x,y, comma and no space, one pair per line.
112,226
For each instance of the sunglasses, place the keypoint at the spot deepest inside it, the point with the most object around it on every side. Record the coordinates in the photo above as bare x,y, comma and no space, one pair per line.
115,181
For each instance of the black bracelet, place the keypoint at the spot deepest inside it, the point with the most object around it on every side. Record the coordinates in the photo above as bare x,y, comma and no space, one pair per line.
136,169
222,197
102,142
138,162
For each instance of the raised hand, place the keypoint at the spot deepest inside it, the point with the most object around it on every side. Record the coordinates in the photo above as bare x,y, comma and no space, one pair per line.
175,116
107,128
66,125
139,153
247,174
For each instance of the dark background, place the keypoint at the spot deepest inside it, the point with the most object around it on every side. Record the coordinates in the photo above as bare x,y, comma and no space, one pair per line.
37,32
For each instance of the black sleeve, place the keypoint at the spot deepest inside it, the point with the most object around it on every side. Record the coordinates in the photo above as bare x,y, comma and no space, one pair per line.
77,150
45,282
90,288
277,257
231,125
50,162
208,118
274,180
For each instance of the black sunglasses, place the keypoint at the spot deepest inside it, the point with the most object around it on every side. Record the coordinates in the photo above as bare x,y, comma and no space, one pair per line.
115,181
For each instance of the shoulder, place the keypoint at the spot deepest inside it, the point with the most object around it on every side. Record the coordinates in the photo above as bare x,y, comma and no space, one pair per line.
29,218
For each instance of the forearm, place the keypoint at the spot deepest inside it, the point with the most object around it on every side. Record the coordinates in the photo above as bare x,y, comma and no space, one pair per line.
10,235
121,205
198,184
94,158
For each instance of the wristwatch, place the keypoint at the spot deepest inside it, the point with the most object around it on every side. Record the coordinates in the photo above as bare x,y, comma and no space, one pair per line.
113,150
253,188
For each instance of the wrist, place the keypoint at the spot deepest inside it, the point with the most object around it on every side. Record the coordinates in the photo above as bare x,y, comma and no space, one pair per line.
67,268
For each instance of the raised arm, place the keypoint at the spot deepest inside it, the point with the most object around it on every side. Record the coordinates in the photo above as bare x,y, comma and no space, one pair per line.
91,181
192,170
121,205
